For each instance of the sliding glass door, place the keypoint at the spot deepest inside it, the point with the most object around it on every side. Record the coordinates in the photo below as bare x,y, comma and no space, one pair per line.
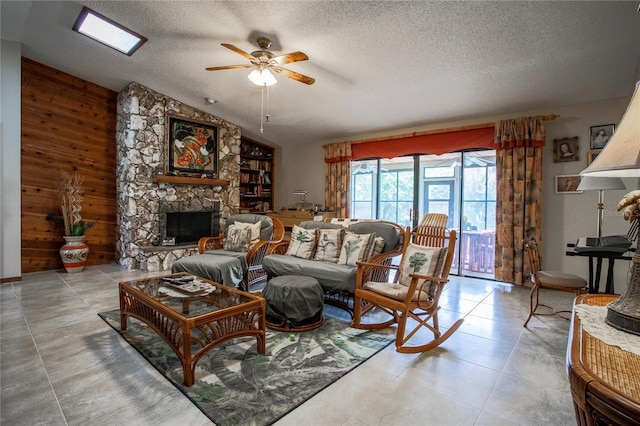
478,210
383,189
461,185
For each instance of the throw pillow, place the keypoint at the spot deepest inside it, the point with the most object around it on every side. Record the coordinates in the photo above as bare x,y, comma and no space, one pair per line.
376,248
329,244
355,247
255,229
302,243
238,238
423,261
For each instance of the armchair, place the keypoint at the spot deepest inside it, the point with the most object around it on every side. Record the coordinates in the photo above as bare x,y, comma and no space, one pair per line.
412,295
238,266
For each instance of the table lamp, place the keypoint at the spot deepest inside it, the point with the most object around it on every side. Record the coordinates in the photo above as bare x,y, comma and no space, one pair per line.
302,193
621,158
600,183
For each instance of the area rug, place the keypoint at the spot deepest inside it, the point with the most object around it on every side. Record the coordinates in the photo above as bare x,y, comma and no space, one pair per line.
237,386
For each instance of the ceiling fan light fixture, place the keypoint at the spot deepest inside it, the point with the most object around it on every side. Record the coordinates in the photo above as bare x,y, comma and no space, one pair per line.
262,77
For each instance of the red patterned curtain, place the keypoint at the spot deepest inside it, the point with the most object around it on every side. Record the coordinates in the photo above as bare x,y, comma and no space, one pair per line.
518,144
337,158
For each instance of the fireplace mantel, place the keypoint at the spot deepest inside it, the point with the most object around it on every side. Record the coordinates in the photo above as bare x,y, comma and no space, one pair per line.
183,180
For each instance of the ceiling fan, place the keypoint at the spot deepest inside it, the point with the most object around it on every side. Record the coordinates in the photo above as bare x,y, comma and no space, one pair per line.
264,62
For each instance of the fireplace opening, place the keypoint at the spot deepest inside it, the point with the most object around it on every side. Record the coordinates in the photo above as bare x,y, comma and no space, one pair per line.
189,227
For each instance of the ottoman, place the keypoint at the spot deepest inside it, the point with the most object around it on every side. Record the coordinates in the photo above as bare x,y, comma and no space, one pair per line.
293,303
227,270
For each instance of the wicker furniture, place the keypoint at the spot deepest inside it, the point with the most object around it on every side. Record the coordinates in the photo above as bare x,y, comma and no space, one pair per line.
414,297
192,325
551,280
337,280
293,303
604,379
213,261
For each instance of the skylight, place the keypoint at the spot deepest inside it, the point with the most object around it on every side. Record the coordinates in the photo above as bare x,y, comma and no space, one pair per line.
108,32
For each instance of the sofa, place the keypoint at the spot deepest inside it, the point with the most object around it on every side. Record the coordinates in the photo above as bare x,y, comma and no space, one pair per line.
312,252
234,258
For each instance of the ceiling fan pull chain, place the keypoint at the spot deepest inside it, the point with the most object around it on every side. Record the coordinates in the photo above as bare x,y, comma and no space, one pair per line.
262,108
266,117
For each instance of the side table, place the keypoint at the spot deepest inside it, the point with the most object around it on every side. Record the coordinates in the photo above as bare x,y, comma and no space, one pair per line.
598,256
604,379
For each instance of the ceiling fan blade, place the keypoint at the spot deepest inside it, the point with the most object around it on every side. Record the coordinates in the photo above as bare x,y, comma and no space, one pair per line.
239,51
228,67
290,58
295,75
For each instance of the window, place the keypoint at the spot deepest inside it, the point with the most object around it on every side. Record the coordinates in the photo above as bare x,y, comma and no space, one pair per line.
461,185
364,176
396,196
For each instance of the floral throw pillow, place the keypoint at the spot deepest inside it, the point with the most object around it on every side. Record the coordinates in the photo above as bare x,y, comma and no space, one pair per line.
424,261
329,245
255,229
355,247
302,243
238,238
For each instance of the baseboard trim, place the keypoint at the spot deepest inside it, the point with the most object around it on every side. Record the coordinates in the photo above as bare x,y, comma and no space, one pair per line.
10,280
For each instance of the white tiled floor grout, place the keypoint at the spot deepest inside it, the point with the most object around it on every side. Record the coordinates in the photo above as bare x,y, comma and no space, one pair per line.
60,364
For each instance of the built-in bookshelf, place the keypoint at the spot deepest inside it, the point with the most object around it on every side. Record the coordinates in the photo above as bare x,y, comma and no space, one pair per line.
256,176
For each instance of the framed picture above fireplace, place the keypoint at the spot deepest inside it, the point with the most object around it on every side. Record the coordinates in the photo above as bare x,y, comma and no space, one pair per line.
192,146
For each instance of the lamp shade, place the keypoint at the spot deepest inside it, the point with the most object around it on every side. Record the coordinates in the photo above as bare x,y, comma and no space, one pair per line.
262,77
621,155
588,183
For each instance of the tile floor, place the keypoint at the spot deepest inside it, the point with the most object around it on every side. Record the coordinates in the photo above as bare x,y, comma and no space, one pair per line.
61,364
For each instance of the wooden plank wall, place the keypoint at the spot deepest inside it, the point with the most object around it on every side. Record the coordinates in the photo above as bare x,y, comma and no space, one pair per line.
67,124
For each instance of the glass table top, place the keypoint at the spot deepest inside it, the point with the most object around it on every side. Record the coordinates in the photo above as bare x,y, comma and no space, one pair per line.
192,297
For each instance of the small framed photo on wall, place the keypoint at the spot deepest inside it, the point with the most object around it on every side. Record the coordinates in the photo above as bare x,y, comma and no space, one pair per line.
600,135
565,149
591,155
568,184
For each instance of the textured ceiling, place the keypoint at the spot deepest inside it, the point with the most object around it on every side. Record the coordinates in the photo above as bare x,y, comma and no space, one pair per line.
378,66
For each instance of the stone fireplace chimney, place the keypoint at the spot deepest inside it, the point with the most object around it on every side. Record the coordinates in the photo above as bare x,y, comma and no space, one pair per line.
141,156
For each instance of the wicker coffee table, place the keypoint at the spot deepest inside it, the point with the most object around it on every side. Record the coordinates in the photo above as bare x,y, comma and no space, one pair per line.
193,323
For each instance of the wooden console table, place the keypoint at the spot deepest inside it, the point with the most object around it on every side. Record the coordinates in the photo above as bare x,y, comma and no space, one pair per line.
294,217
604,379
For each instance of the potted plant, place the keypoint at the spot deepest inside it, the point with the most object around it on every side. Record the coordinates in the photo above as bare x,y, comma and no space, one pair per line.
70,195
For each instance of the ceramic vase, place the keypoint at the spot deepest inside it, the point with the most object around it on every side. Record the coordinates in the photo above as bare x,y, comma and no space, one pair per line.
74,253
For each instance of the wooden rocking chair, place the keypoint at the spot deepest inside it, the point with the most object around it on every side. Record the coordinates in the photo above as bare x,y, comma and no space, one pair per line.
434,219
431,230
413,294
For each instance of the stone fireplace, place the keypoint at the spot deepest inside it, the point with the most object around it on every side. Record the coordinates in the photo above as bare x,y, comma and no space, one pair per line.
143,199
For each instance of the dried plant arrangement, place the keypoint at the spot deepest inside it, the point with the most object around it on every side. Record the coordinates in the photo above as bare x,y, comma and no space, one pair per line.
70,197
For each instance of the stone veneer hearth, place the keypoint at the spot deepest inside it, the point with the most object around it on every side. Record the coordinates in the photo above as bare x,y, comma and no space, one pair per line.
142,149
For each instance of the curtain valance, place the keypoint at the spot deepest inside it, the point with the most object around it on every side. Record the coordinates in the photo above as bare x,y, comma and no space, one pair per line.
519,132
337,152
436,143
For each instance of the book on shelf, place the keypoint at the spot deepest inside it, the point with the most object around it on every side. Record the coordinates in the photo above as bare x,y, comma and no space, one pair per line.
256,165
